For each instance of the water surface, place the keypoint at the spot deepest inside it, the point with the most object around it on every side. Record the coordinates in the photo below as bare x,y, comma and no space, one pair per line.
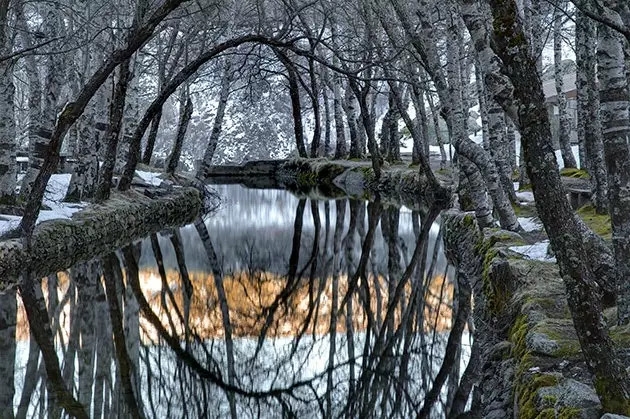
273,306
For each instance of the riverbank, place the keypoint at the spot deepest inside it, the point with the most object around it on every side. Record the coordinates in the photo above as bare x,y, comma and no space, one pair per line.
96,230
399,184
528,355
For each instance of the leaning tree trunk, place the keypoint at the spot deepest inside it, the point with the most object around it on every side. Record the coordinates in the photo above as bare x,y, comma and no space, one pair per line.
611,379
112,135
589,122
615,101
564,127
185,113
217,126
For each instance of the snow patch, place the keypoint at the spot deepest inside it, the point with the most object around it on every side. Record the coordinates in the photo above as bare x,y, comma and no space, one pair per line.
536,251
53,198
530,223
152,178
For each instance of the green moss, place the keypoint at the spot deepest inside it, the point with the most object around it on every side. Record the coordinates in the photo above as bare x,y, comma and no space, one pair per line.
569,413
621,335
525,210
307,178
575,173
600,224
549,413
611,402
523,188
528,392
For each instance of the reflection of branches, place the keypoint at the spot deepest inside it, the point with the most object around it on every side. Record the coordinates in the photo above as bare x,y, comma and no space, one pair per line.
113,275
187,357
37,314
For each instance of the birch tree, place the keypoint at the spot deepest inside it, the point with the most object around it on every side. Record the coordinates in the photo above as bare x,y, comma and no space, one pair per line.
564,130
7,122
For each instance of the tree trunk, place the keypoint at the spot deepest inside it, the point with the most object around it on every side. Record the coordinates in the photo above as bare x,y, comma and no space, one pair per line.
112,135
589,122
509,42
341,148
37,138
8,145
8,323
317,132
224,94
327,152
349,107
615,116
185,113
564,124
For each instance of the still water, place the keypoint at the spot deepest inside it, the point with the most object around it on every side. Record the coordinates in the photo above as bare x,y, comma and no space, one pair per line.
272,306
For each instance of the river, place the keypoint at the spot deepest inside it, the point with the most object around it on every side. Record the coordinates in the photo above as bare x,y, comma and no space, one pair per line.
273,306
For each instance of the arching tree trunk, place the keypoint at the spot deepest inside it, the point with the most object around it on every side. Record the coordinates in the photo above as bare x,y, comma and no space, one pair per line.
74,109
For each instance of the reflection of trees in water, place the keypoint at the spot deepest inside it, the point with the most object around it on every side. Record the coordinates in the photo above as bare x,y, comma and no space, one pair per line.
341,334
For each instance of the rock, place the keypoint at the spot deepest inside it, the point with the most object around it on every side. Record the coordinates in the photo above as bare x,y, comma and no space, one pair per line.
500,350
541,343
352,182
573,394
496,414
613,416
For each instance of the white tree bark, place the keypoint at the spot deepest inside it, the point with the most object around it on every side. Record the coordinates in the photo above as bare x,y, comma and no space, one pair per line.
589,123
615,115
7,121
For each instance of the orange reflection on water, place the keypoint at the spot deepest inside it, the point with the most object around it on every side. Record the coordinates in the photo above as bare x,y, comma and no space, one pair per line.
306,309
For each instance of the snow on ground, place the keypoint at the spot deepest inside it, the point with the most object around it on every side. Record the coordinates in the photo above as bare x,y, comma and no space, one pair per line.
152,178
530,223
536,251
53,198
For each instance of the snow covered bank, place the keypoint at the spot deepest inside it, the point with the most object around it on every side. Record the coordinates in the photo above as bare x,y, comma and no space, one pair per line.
97,230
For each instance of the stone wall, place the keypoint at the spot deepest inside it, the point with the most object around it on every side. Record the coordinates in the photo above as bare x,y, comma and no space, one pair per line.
95,231
530,361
